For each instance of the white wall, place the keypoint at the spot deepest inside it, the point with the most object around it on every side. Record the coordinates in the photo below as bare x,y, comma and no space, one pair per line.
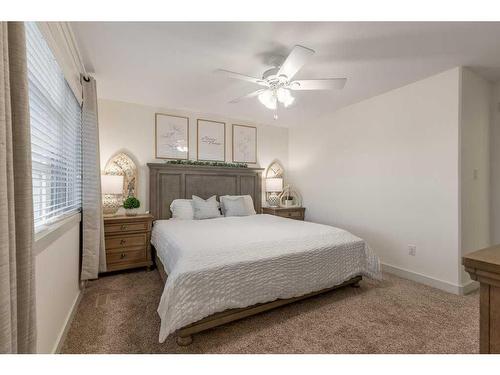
57,285
475,163
387,169
130,127
495,164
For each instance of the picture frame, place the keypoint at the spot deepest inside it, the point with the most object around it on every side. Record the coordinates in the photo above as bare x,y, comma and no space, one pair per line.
210,140
244,144
171,136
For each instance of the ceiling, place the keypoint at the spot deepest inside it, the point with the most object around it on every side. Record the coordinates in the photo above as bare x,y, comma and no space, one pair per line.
172,64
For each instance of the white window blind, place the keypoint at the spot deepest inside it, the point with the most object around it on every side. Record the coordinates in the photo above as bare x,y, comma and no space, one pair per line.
56,127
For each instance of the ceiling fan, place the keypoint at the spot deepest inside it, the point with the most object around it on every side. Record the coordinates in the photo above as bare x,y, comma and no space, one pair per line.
278,82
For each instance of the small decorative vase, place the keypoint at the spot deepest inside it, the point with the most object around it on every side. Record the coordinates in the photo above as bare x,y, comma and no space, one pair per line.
131,211
273,200
110,204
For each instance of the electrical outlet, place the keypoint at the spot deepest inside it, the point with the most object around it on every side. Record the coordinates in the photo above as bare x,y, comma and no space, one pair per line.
412,250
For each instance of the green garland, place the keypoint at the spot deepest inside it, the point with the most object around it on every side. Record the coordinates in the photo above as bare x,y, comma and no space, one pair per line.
208,163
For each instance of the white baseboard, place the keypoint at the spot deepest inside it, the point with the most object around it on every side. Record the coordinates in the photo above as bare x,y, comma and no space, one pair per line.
67,323
430,281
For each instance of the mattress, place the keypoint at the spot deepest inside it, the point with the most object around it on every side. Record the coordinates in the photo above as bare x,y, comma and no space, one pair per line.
233,262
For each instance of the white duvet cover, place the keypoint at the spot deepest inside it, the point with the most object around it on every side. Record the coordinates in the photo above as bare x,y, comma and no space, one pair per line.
217,264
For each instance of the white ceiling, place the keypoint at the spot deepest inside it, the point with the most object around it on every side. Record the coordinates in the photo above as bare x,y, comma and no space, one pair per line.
172,64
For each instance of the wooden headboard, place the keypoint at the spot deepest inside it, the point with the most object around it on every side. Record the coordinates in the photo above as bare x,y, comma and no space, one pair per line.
172,181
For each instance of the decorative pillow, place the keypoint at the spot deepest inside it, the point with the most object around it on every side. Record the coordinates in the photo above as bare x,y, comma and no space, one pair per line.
205,209
229,209
182,209
236,207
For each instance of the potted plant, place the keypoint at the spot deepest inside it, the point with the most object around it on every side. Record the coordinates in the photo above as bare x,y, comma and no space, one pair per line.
131,206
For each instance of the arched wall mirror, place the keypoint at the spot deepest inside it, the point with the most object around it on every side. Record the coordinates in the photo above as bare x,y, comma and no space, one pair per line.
122,165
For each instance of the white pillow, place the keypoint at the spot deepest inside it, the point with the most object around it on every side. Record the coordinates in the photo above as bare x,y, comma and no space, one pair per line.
230,206
182,209
205,209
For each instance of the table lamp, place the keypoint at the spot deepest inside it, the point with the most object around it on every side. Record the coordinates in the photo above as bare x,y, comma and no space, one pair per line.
112,189
274,185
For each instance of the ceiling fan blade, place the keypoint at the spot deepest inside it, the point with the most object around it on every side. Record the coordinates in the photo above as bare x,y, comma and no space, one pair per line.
295,60
243,77
318,84
248,96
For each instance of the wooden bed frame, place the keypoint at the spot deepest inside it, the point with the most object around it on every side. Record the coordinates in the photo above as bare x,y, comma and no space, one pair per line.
170,181
184,335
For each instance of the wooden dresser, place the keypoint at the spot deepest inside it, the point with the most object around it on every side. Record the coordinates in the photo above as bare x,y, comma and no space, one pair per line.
127,241
484,266
296,213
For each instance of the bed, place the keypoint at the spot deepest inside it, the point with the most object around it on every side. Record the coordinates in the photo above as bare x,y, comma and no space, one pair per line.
224,269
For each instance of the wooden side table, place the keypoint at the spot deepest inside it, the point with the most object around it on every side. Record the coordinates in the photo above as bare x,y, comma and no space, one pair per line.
127,241
484,266
296,213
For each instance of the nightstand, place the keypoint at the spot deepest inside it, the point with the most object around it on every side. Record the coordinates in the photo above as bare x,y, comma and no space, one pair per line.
127,240
296,213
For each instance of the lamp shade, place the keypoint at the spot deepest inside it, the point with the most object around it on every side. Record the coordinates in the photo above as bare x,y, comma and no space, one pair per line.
111,184
274,184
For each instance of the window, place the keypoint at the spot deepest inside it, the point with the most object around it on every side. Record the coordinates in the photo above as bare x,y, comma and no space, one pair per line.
56,128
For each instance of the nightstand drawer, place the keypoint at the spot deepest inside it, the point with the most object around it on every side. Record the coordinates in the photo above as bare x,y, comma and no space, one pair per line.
126,227
295,213
291,214
126,256
120,242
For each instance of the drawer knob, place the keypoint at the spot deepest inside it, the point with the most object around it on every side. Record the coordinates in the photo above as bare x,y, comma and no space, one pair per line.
122,255
123,227
122,242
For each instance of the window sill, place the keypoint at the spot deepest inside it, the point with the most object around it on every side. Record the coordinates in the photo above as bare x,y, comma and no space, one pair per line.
53,231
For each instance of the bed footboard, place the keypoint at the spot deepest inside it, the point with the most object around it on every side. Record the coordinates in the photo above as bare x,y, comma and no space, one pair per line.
184,335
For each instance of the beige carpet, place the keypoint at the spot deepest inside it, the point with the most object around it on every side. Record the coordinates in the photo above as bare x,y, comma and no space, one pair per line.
118,315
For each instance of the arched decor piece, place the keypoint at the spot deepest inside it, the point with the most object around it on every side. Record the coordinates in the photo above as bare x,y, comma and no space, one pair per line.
290,197
122,165
275,170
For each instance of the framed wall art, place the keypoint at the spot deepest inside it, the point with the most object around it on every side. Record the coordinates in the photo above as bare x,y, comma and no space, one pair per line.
171,136
211,140
244,144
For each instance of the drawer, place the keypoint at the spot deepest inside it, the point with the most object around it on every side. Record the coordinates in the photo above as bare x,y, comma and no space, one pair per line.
135,226
120,242
292,214
126,256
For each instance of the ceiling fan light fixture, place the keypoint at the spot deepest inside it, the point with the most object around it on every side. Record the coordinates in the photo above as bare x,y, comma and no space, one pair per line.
289,101
282,78
279,84
268,99
285,97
